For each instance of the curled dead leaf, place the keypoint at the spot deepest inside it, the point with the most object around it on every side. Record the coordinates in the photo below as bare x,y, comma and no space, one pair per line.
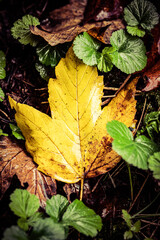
153,77
14,160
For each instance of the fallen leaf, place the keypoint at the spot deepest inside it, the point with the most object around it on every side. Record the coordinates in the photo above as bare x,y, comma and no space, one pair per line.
68,22
73,143
14,160
153,76
104,34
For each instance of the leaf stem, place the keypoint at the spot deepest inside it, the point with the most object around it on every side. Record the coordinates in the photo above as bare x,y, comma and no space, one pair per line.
130,180
81,192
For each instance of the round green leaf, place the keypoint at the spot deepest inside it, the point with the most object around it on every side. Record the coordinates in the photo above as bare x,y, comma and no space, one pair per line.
85,47
2,73
129,56
14,233
135,31
23,203
154,164
141,12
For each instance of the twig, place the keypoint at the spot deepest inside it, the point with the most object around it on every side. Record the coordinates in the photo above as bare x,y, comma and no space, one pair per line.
119,89
138,193
144,106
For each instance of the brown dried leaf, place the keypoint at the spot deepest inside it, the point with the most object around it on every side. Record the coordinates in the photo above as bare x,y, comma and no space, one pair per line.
14,160
153,75
69,21
104,34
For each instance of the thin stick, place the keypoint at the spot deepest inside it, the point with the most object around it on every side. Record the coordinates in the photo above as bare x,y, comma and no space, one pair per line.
119,89
138,193
144,106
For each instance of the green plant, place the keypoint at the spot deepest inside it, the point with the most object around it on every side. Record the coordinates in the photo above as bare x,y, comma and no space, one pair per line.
134,151
16,132
127,53
54,224
48,56
2,68
140,15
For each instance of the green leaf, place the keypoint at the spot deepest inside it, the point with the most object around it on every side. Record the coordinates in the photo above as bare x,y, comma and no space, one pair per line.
46,229
56,206
135,152
82,218
141,12
130,52
16,131
119,130
128,235
23,224
2,59
135,31
85,48
127,218
43,71
14,233
2,73
2,133
154,164
49,55
105,61
136,227
23,203
21,30
152,123
2,95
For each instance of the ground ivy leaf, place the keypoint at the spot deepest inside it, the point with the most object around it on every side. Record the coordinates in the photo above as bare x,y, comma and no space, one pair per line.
56,206
23,204
104,62
135,152
130,52
48,55
21,30
16,131
128,235
154,164
14,233
2,59
135,31
23,224
46,229
136,227
127,217
141,12
118,131
2,95
85,48
82,218
2,73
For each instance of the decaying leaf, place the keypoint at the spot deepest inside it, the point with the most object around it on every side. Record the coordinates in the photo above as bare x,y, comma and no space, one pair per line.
153,76
68,22
104,34
73,143
15,161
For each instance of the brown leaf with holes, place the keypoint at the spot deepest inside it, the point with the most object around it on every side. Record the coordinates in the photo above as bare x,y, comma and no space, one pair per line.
68,22
153,76
14,160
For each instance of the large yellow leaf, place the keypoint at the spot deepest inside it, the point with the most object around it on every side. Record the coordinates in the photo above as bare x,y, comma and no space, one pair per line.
73,142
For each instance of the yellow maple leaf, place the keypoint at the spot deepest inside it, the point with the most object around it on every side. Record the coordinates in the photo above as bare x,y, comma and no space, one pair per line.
73,143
